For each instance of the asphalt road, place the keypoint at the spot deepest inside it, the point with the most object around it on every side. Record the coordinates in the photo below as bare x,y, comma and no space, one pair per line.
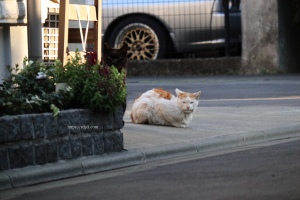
265,171
225,90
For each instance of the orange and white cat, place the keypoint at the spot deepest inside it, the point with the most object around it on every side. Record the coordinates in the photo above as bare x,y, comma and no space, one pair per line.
158,106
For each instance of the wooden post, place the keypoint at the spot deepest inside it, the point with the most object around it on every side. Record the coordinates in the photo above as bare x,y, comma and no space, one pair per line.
64,18
98,29
63,30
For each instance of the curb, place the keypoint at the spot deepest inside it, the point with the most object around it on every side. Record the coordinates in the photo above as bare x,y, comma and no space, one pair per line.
236,140
67,169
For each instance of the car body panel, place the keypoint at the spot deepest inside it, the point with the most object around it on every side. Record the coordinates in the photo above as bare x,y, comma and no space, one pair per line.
191,24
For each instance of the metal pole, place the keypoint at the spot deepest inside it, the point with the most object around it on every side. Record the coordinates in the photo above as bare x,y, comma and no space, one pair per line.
227,27
35,46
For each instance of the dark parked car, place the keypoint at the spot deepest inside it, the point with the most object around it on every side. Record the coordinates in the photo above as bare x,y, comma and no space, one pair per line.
155,28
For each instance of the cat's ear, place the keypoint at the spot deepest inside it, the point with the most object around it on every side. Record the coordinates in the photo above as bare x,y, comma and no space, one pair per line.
178,92
197,94
124,47
107,46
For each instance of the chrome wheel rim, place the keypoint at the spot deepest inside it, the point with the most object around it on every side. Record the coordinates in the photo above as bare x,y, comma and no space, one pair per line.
142,41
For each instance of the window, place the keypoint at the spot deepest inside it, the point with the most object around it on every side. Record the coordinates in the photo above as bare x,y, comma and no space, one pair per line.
50,35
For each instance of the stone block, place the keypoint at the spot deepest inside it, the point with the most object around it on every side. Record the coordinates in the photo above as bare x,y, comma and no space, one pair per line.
38,126
4,131
10,129
86,123
113,141
98,144
118,141
118,117
51,127
63,122
108,121
21,156
26,127
85,117
96,121
64,150
87,145
14,157
52,152
108,141
74,120
41,154
3,160
75,147
27,155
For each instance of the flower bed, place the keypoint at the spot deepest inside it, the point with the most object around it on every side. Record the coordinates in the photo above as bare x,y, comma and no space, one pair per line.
86,117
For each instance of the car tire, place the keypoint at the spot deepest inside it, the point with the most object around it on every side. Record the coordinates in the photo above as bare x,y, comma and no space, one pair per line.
146,38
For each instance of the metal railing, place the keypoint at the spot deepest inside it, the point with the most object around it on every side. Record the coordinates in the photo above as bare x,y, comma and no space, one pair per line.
177,26
156,29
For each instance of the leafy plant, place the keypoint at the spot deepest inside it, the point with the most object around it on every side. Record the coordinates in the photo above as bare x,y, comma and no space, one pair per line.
91,86
22,92
96,87
55,110
57,72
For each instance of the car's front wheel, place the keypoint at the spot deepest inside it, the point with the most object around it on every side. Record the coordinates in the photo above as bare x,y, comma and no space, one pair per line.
146,38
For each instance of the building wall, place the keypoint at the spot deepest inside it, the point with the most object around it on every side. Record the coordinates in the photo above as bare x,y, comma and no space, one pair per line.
13,47
260,36
13,38
289,40
3,56
19,44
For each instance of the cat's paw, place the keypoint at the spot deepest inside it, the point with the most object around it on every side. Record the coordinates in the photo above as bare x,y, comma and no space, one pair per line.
182,126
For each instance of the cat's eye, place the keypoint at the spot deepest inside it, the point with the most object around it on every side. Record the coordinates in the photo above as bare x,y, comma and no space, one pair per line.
192,102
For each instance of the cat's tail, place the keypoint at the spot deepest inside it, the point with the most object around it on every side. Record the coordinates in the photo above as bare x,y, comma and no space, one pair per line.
132,119
139,116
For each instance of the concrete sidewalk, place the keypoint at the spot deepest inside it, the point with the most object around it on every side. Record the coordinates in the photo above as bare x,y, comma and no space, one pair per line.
212,129
214,123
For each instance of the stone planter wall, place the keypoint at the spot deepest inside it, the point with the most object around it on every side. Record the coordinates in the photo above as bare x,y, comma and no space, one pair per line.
37,139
